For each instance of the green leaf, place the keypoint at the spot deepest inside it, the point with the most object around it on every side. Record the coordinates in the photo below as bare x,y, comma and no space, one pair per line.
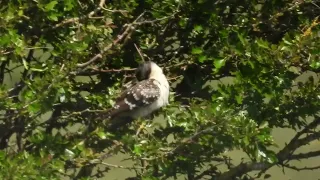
246,141
287,42
196,50
218,63
25,64
27,95
262,43
272,158
137,149
202,58
3,58
38,70
242,40
62,94
198,28
42,152
92,27
34,107
53,17
102,135
315,64
68,5
69,153
264,125
239,99
2,155
50,6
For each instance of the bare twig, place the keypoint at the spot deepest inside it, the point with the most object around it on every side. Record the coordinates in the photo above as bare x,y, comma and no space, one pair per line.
191,139
95,71
101,5
153,21
67,21
98,161
174,78
62,67
81,112
115,10
315,4
113,70
140,53
89,15
304,155
124,36
302,168
26,48
128,29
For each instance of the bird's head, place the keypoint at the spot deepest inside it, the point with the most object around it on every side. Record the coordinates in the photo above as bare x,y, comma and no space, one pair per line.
147,70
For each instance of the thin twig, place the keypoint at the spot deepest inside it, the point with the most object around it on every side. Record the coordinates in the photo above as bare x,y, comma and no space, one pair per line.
129,28
304,155
101,5
98,161
113,70
67,21
115,10
315,4
139,52
153,21
302,168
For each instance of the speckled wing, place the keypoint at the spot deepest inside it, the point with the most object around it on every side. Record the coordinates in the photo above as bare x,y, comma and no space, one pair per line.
141,94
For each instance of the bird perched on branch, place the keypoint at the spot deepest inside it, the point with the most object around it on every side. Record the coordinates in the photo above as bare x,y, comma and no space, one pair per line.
149,94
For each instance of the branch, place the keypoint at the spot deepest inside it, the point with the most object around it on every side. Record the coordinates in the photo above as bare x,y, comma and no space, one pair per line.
284,154
113,70
66,21
127,32
301,169
128,29
191,139
115,42
139,51
97,161
296,142
153,21
89,15
241,169
209,172
101,4
304,155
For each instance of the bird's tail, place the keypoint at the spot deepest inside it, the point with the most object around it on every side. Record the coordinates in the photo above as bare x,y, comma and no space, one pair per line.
110,121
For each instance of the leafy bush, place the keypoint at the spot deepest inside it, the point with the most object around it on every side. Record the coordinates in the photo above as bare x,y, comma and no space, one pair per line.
233,68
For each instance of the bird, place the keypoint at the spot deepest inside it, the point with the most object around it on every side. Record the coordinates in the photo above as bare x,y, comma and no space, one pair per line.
149,94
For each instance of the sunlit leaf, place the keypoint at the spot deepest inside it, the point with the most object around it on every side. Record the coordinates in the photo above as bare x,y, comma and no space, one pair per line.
202,58
196,51
218,63
262,43
50,6
137,149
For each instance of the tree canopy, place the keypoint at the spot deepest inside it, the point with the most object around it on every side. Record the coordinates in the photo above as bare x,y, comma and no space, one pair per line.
233,69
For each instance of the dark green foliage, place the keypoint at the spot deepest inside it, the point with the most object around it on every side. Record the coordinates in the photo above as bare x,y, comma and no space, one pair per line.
63,62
